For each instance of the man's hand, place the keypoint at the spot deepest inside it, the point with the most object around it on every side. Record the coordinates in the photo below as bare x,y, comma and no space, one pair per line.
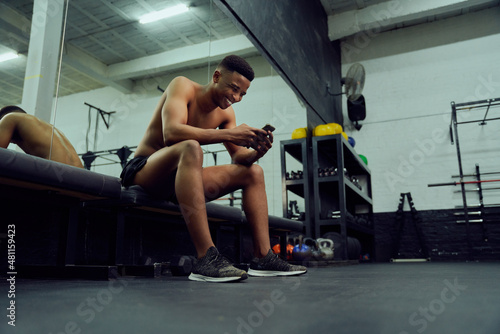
264,143
247,136
258,139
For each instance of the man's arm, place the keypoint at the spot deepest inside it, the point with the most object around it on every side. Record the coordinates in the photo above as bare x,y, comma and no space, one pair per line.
7,128
180,92
245,156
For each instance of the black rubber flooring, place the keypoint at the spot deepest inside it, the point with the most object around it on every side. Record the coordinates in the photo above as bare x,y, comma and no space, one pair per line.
392,298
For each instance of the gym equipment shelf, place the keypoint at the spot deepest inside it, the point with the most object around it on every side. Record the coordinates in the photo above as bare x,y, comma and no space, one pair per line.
332,201
351,189
339,194
297,150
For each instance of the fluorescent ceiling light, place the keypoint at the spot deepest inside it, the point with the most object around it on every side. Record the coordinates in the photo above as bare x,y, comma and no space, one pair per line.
8,56
167,12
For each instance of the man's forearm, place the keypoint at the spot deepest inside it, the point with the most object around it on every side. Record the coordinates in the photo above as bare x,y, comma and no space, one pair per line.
203,136
246,157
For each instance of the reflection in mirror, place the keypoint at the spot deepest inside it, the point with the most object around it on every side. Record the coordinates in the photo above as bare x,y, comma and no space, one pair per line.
115,68
32,33
15,18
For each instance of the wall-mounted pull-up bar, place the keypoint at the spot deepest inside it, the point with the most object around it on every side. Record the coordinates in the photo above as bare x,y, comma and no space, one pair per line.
486,104
457,183
102,113
475,175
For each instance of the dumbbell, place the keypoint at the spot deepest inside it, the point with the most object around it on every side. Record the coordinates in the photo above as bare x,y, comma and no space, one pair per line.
182,265
332,214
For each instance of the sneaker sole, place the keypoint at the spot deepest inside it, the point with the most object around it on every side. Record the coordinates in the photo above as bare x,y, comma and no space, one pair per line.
201,278
269,273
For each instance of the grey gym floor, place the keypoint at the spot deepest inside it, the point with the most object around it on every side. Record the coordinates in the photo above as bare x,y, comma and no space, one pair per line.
366,298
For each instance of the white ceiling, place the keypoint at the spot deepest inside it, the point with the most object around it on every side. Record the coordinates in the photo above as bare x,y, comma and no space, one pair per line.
106,46
349,17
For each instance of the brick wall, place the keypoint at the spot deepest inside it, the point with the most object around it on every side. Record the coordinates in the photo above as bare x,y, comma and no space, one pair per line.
444,239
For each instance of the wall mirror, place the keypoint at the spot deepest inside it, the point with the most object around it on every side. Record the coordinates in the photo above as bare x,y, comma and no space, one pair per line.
114,69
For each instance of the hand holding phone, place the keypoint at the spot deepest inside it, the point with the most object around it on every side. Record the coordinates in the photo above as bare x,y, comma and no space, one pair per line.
267,139
268,127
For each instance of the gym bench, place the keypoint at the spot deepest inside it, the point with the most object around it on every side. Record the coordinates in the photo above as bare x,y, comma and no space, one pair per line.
28,179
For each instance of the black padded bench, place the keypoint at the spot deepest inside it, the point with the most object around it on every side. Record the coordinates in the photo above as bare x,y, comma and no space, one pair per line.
218,215
80,189
25,171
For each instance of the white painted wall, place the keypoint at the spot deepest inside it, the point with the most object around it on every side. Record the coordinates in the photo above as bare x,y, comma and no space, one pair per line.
412,76
269,100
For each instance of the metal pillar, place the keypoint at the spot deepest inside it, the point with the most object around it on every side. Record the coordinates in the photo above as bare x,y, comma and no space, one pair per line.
43,56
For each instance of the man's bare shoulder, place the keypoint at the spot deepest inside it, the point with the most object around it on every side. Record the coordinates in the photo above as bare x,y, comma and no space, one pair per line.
183,83
17,117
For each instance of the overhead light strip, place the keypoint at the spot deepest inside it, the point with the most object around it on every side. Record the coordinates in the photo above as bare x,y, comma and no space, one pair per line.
162,14
8,56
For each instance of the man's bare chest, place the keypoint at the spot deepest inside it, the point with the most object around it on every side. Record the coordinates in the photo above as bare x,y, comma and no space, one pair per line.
206,120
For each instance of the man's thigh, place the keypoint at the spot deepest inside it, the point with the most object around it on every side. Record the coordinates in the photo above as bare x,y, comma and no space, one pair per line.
224,179
158,174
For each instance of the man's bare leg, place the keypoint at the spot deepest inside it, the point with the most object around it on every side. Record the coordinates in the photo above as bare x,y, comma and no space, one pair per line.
156,176
221,180
190,195
192,181
193,184
218,181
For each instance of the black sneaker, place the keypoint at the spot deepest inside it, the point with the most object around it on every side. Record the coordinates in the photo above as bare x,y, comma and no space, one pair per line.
273,265
213,267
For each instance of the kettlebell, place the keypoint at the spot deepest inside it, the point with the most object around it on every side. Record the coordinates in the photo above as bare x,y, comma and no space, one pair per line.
289,249
316,253
326,246
301,252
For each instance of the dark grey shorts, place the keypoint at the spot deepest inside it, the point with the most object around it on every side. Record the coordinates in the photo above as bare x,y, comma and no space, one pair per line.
131,168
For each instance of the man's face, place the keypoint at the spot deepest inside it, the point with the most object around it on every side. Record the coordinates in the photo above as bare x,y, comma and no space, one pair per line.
231,87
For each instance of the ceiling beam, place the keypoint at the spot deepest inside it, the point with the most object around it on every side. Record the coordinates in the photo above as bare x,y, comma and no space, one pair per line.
119,75
192,55
93,68
374,18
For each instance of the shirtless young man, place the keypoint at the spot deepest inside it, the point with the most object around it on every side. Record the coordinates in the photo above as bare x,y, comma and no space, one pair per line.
35,137
168,163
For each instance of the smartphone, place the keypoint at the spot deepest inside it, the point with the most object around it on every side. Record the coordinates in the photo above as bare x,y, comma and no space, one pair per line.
268,127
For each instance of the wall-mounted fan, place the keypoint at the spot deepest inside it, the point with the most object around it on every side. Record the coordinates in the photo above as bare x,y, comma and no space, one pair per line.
353,83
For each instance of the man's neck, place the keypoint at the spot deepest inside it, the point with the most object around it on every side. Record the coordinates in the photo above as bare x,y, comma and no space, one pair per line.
205,100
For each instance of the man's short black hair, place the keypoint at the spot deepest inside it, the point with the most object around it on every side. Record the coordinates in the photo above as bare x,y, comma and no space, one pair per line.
8,109
235,63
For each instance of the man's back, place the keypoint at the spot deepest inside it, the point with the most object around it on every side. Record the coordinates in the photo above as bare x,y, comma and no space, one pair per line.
37,138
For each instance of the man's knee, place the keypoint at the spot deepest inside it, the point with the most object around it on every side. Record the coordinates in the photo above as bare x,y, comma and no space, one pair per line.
256,172
191,150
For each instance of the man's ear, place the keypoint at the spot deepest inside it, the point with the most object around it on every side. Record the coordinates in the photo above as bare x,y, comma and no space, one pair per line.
216,77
